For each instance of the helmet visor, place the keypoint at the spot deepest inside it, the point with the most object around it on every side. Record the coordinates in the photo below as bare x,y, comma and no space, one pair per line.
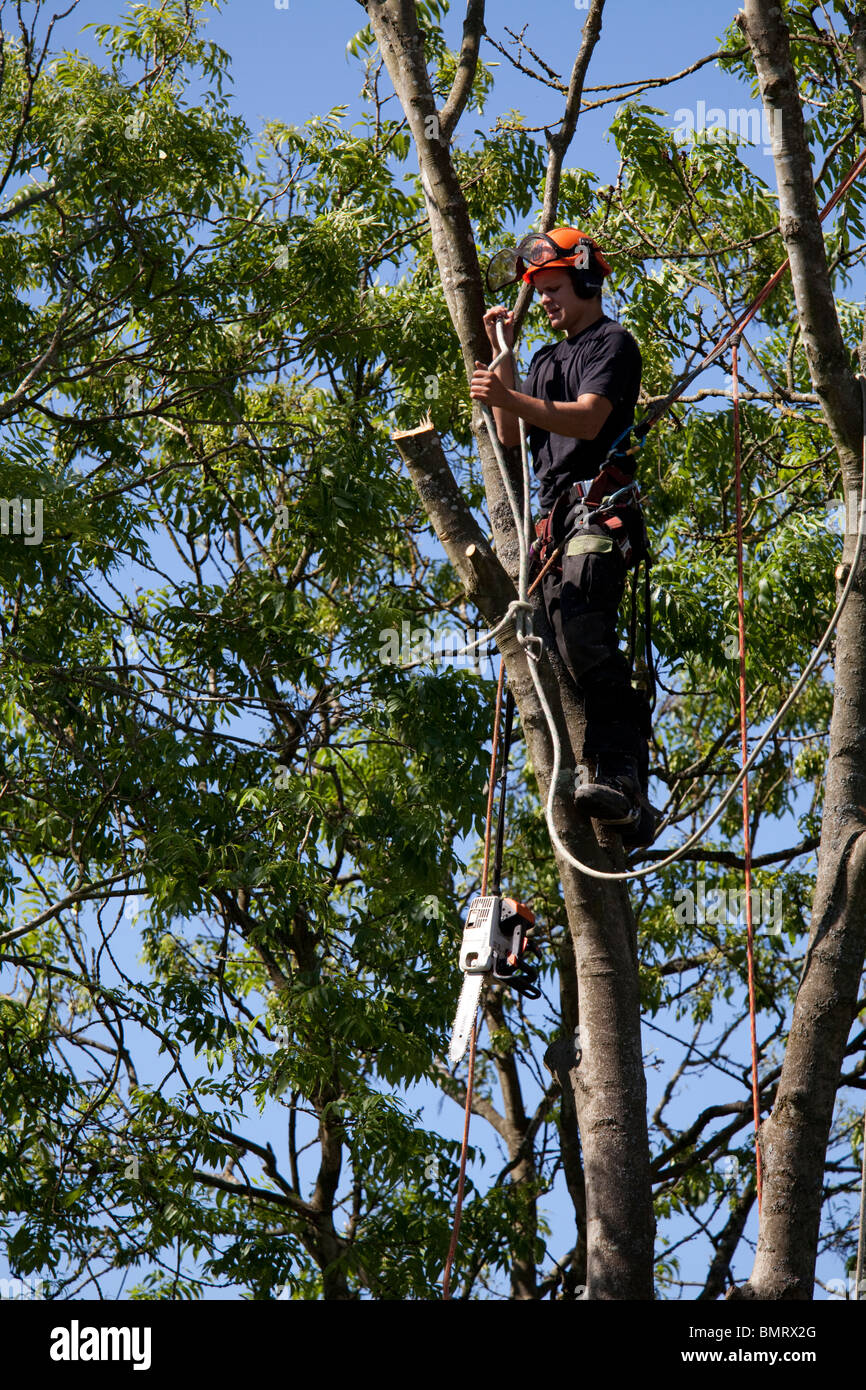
538,250
534,252
505,268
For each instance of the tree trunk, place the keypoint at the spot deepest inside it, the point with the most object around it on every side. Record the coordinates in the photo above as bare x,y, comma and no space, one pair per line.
609,1085
794,1138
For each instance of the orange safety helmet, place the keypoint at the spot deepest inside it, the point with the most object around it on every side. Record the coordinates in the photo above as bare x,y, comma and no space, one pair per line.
580,253
568,247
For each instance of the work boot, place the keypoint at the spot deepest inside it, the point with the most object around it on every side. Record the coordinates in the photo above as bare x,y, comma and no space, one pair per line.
614,798
642,832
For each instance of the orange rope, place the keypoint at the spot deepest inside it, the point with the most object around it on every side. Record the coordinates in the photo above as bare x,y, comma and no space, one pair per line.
735,332
741,621
458,1210
542,572
497,719
732,335
470,1080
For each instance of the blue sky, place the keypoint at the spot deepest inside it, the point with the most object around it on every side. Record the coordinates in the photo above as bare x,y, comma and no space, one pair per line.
289,63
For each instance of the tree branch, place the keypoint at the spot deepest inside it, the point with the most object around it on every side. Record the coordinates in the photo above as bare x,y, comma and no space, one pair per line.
461,87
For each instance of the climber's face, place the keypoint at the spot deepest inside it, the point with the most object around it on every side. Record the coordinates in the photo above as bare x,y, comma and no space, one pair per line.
564,309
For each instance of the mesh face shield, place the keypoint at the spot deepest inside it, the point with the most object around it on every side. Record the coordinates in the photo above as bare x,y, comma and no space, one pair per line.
503,268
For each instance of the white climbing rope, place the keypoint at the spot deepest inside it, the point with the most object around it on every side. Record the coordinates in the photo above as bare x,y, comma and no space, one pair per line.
519,610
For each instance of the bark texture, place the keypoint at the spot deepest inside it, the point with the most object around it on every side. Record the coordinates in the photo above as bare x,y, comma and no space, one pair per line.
608,1086
794,1138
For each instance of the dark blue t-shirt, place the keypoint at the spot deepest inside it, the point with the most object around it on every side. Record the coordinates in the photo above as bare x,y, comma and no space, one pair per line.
602,360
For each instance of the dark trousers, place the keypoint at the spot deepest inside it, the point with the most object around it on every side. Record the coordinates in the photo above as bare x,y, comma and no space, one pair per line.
582,603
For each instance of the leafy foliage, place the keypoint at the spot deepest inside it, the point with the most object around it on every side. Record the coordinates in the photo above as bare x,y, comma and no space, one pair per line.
238,840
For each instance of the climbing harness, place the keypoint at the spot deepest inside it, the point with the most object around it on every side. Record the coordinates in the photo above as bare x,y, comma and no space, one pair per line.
618,512
566,529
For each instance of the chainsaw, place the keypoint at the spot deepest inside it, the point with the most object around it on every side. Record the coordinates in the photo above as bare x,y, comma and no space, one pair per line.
494,942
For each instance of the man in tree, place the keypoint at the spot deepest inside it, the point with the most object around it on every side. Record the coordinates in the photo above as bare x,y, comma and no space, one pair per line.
578,401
